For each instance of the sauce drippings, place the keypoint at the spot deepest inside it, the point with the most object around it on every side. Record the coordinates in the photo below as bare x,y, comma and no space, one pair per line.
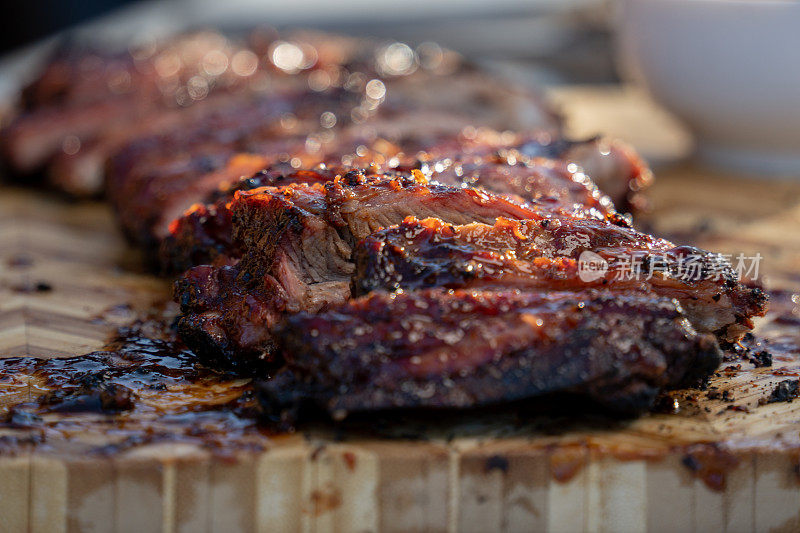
144,388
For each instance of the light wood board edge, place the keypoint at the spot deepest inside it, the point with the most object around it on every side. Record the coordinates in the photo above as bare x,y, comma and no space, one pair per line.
389,486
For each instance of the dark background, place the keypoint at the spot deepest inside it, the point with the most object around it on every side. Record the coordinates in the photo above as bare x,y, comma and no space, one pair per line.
25,21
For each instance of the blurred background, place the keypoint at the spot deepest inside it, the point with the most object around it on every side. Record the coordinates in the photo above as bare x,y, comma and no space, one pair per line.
543,43
728,69
566,40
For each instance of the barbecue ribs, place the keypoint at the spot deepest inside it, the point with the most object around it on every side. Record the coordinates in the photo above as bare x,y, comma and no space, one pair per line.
204,234
482,159
85,93
308,246
478,157
147,106
297,243
354,220
439,348
546,254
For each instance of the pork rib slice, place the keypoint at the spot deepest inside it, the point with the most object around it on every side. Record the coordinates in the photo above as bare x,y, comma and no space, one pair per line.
204,233
547,254
551,184
89,93
297,242
453,349
611,164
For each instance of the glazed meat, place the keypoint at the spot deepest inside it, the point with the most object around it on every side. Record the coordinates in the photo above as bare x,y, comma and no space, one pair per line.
90,103
33,139
152,181
518,162
155,179
455,349
547,254
297,243
204,234
82,94
548,183
311,244
81,173
352,225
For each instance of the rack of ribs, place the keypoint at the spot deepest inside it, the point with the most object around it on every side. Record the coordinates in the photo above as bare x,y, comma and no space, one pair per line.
90,103
311,247
297,241
86,94
355,220
158,178
533,167
127,117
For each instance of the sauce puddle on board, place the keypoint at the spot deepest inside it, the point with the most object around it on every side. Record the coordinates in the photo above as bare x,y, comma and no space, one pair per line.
144,388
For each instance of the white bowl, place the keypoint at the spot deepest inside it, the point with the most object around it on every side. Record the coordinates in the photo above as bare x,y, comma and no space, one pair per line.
729,68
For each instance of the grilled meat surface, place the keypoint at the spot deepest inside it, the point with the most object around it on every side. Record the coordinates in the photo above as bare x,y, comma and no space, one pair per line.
548,254
91,105
440,348
169,173
311,245
482,159
204,234
84,93
165,122
154,179
355,220
297,243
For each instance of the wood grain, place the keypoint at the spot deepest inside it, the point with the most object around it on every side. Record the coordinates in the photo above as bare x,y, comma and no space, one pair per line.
629,477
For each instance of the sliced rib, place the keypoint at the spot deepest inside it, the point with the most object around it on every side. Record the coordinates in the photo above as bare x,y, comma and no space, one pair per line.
548,254
436,348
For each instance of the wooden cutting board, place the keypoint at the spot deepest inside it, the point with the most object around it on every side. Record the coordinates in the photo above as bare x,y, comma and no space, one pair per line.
721,463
